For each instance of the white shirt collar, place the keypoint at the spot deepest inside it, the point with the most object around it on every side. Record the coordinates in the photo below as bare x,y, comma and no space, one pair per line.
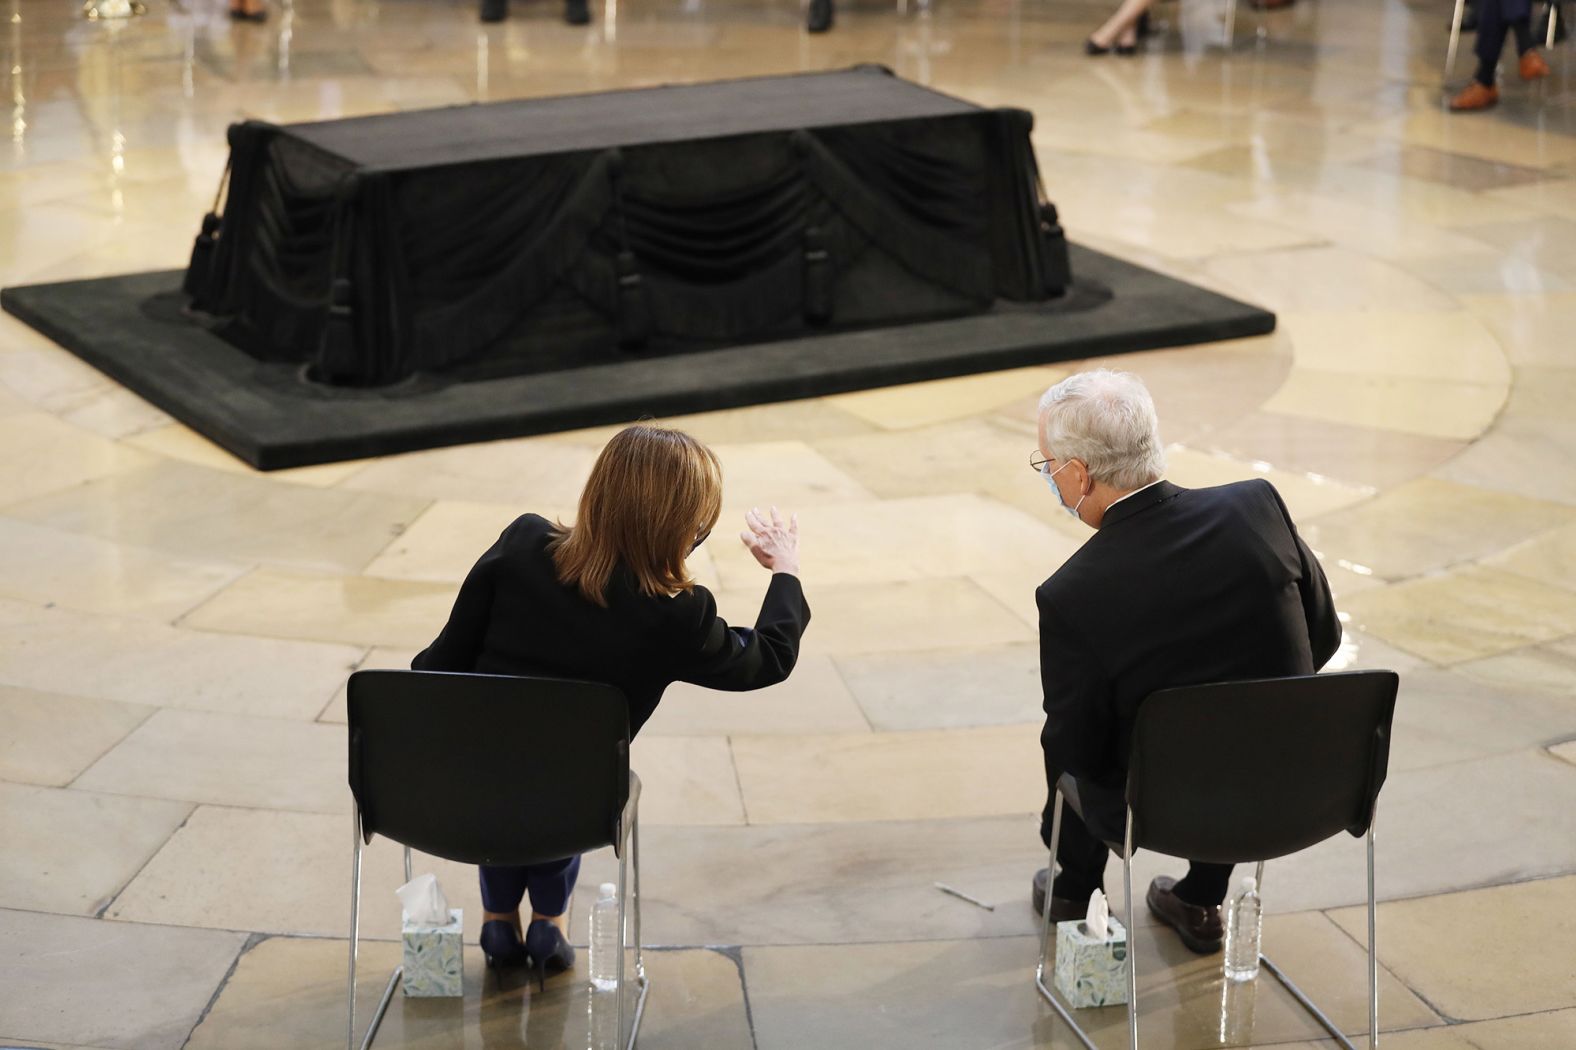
1135,492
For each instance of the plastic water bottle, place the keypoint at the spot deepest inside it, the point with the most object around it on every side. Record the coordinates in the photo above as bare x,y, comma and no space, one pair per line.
605,939
1244,932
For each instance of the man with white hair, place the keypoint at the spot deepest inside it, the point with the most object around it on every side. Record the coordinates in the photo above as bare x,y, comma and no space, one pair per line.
1176,587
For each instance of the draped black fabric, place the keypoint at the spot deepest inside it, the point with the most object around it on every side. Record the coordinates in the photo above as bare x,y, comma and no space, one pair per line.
540,235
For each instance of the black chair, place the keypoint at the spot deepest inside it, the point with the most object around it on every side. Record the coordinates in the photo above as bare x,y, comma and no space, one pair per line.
1250,771
444,763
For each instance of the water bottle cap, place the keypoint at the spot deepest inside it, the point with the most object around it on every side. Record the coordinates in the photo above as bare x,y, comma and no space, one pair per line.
1250,884
607,890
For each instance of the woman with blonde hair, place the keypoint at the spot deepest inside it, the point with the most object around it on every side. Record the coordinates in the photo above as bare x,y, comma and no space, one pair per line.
609,599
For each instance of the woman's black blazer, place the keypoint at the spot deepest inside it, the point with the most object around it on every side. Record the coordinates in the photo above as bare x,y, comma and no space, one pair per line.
512,616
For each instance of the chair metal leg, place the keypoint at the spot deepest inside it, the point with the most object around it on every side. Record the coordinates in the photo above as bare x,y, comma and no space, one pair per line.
1554,14
629,917
1373,968
1132,945
355,940
1455,37
1045,931
1231,24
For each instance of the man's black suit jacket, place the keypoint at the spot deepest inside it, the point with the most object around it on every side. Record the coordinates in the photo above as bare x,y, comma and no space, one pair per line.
512,616
1177,587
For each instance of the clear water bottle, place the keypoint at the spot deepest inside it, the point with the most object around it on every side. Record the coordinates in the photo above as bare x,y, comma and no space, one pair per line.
1244,931
605,939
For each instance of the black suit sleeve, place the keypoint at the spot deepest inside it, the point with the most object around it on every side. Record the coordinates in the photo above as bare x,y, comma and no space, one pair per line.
459,644
1318,603
717,656
1080,728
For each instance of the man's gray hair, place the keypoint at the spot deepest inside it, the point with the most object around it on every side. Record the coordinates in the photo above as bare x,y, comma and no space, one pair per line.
1107,419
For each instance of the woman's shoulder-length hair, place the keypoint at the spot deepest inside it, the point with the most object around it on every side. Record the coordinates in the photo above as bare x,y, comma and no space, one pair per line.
653,493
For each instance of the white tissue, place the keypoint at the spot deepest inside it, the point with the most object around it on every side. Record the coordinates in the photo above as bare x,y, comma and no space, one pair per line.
1095,918
424,901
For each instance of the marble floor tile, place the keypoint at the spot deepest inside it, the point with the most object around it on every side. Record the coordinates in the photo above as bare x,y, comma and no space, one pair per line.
897,617
949,688
116,413
70,851
47,566
1452,169
227,760
906,539
50,738
1429,524
1361,455
357,610
147,663
376,659
1445,716
1325,279
814,699
989,771
1427,345
974,993
1553,1028
942,401
696,1000
196,512
1306,495
948,458
1533,330
444,542
45,455
1361,651
1460,825
686,780
1548,668
831,884
148,985
1473,971
179,442
1465,615
789,474
272,871
1527,457
1565,751
1550,557
524,472
1428,407
804,420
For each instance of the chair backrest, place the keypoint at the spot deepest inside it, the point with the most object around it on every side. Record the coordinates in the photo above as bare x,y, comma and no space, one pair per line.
1248,771
488,769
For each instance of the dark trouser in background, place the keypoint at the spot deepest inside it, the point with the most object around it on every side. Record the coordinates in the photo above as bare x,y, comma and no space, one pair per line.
1082,855
549,885
1495,19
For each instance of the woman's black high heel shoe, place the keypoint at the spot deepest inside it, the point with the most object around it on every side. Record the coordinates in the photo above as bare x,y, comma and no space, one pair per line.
501,945
548,951
1092,48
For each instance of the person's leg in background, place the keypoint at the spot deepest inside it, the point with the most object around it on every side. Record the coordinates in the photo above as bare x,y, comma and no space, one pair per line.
1081,858
1205,885
1496,19
503,888
546,942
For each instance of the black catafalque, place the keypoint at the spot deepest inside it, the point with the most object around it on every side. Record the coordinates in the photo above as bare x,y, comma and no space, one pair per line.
539,235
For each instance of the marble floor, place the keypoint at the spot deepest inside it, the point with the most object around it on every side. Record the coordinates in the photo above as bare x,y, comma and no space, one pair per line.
175,629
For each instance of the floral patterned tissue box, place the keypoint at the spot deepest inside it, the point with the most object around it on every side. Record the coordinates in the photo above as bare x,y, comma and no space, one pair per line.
1091,971
433,957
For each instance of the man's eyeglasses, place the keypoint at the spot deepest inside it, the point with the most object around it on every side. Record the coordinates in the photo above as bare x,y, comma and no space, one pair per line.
1037,462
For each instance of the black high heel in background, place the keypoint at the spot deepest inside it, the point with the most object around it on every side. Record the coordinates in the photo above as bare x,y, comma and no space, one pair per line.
501,945
1092,48
548,951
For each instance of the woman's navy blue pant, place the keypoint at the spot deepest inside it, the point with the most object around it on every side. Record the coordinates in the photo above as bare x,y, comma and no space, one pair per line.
549,885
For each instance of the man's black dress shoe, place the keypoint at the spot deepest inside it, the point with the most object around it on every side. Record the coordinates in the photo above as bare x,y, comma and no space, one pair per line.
1199,927
495,10
1062,909
820,17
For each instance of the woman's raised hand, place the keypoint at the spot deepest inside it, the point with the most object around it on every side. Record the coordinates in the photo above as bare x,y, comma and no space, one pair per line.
775,543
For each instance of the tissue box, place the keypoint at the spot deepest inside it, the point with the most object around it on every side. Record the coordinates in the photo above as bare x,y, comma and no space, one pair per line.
432,956
1091,971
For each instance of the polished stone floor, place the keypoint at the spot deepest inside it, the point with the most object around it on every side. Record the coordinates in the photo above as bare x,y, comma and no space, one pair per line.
175,630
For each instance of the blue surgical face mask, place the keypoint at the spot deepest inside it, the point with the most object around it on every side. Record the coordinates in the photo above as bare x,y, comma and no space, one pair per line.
1050,476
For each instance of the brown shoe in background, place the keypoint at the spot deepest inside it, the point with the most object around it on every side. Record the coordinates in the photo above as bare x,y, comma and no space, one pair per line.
1199,928
1533,66
1062,909
1475,96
